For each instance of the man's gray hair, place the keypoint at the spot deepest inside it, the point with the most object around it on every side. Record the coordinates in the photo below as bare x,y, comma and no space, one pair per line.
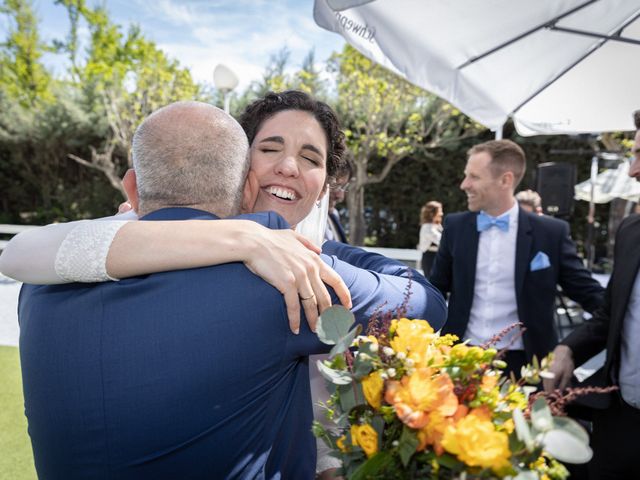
190,154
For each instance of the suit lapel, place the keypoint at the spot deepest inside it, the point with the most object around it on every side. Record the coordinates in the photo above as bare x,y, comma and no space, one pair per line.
470,251
523,250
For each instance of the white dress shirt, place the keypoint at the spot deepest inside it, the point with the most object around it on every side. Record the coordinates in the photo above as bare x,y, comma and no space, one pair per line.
494,306
629,376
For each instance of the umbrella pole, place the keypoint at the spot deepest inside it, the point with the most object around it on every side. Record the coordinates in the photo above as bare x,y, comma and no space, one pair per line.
591,232
499,132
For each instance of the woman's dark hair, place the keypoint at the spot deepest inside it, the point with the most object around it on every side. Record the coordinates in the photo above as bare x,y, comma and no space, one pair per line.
257,112
428,211
636,119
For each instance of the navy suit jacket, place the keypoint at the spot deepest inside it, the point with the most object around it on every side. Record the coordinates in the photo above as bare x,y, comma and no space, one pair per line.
454,273
190,374
604,330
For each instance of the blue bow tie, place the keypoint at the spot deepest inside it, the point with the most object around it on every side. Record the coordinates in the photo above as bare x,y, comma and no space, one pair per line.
485,222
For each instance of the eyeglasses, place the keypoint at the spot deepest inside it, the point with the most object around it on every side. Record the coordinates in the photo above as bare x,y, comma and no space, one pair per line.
339,188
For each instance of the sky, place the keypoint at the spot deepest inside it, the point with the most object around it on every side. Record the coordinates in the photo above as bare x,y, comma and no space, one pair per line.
241,34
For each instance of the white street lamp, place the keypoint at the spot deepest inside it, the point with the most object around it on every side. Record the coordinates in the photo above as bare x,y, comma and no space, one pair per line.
225,80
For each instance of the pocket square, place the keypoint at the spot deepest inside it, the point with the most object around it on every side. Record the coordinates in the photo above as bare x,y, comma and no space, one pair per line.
540,262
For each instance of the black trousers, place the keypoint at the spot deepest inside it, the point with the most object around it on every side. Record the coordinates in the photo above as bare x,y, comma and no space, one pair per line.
616,448
516,359
427,263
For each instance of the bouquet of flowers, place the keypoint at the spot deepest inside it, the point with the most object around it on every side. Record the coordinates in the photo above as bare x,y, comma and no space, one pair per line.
408,402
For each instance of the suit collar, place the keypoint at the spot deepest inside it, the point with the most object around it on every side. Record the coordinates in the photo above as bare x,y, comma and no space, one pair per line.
179,213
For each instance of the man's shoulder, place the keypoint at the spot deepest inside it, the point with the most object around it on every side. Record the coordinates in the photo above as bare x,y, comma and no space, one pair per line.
458,218
266,219
548,224
632,222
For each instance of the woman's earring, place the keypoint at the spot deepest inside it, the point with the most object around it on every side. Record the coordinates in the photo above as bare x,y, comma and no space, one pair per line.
318,204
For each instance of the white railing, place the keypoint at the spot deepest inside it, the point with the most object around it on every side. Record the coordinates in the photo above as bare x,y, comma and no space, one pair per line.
407,255
6,229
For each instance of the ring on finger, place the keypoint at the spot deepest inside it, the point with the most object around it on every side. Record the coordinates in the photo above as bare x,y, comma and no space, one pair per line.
307,298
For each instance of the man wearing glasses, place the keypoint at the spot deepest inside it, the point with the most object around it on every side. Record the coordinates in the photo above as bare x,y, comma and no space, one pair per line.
334,230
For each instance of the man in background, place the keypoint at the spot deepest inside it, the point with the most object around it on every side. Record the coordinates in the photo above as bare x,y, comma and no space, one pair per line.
501,264
337,190
530,201
616,327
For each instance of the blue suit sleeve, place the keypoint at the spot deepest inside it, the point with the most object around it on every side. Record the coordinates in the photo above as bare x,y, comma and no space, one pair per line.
375,280
576,281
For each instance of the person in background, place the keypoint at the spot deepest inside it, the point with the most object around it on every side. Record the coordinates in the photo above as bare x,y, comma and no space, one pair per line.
616,327
430,234
337,191
501,264
530,201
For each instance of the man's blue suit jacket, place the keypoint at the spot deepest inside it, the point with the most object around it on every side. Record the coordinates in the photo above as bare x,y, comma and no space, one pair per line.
190,374
454,273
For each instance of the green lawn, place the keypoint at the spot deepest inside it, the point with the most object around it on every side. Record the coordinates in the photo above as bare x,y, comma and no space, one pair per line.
16,460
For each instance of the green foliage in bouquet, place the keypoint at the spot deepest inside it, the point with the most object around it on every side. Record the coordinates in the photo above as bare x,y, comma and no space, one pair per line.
408,402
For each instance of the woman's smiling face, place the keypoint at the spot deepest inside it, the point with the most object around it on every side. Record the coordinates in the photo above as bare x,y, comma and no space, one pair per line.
288,157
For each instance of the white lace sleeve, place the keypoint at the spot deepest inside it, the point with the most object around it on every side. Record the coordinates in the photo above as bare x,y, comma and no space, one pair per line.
82,257
32,256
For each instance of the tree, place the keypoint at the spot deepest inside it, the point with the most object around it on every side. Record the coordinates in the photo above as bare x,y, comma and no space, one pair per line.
124,78
22,75
389,120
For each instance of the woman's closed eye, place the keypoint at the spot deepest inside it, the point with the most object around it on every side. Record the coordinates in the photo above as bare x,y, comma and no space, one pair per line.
313,161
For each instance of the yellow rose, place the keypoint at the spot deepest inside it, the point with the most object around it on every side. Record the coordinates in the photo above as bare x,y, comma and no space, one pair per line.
341,445
365,437
412,337
475,441
372,386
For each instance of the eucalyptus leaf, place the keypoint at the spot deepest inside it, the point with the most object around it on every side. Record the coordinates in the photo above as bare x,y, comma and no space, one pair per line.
345,342
350,395
541,417
565,447
334,376
363,363
571,426
334,324
522,429
408,443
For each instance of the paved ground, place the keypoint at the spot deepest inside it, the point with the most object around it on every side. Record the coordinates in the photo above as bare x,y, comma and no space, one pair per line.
9,290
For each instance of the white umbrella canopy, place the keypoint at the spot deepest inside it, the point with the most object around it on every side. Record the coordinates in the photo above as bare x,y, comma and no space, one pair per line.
495,59
611,183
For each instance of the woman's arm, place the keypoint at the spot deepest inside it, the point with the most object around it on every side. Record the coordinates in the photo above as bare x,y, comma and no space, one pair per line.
376,281
102,250
283,258
36,256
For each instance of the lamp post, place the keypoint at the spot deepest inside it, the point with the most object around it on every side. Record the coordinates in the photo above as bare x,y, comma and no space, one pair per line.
225,80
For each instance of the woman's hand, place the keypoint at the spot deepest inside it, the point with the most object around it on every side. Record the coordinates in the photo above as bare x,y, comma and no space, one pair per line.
283,258
291,263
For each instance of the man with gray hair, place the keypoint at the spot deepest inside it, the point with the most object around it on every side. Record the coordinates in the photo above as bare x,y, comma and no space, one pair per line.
180,374
189,154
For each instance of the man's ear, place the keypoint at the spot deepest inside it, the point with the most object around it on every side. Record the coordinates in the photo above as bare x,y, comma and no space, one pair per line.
250,192
130,184
508,180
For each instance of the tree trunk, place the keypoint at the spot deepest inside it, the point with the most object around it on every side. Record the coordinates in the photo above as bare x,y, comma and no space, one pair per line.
355,203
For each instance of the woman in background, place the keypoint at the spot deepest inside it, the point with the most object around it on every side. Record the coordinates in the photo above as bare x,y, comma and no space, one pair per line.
430,234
